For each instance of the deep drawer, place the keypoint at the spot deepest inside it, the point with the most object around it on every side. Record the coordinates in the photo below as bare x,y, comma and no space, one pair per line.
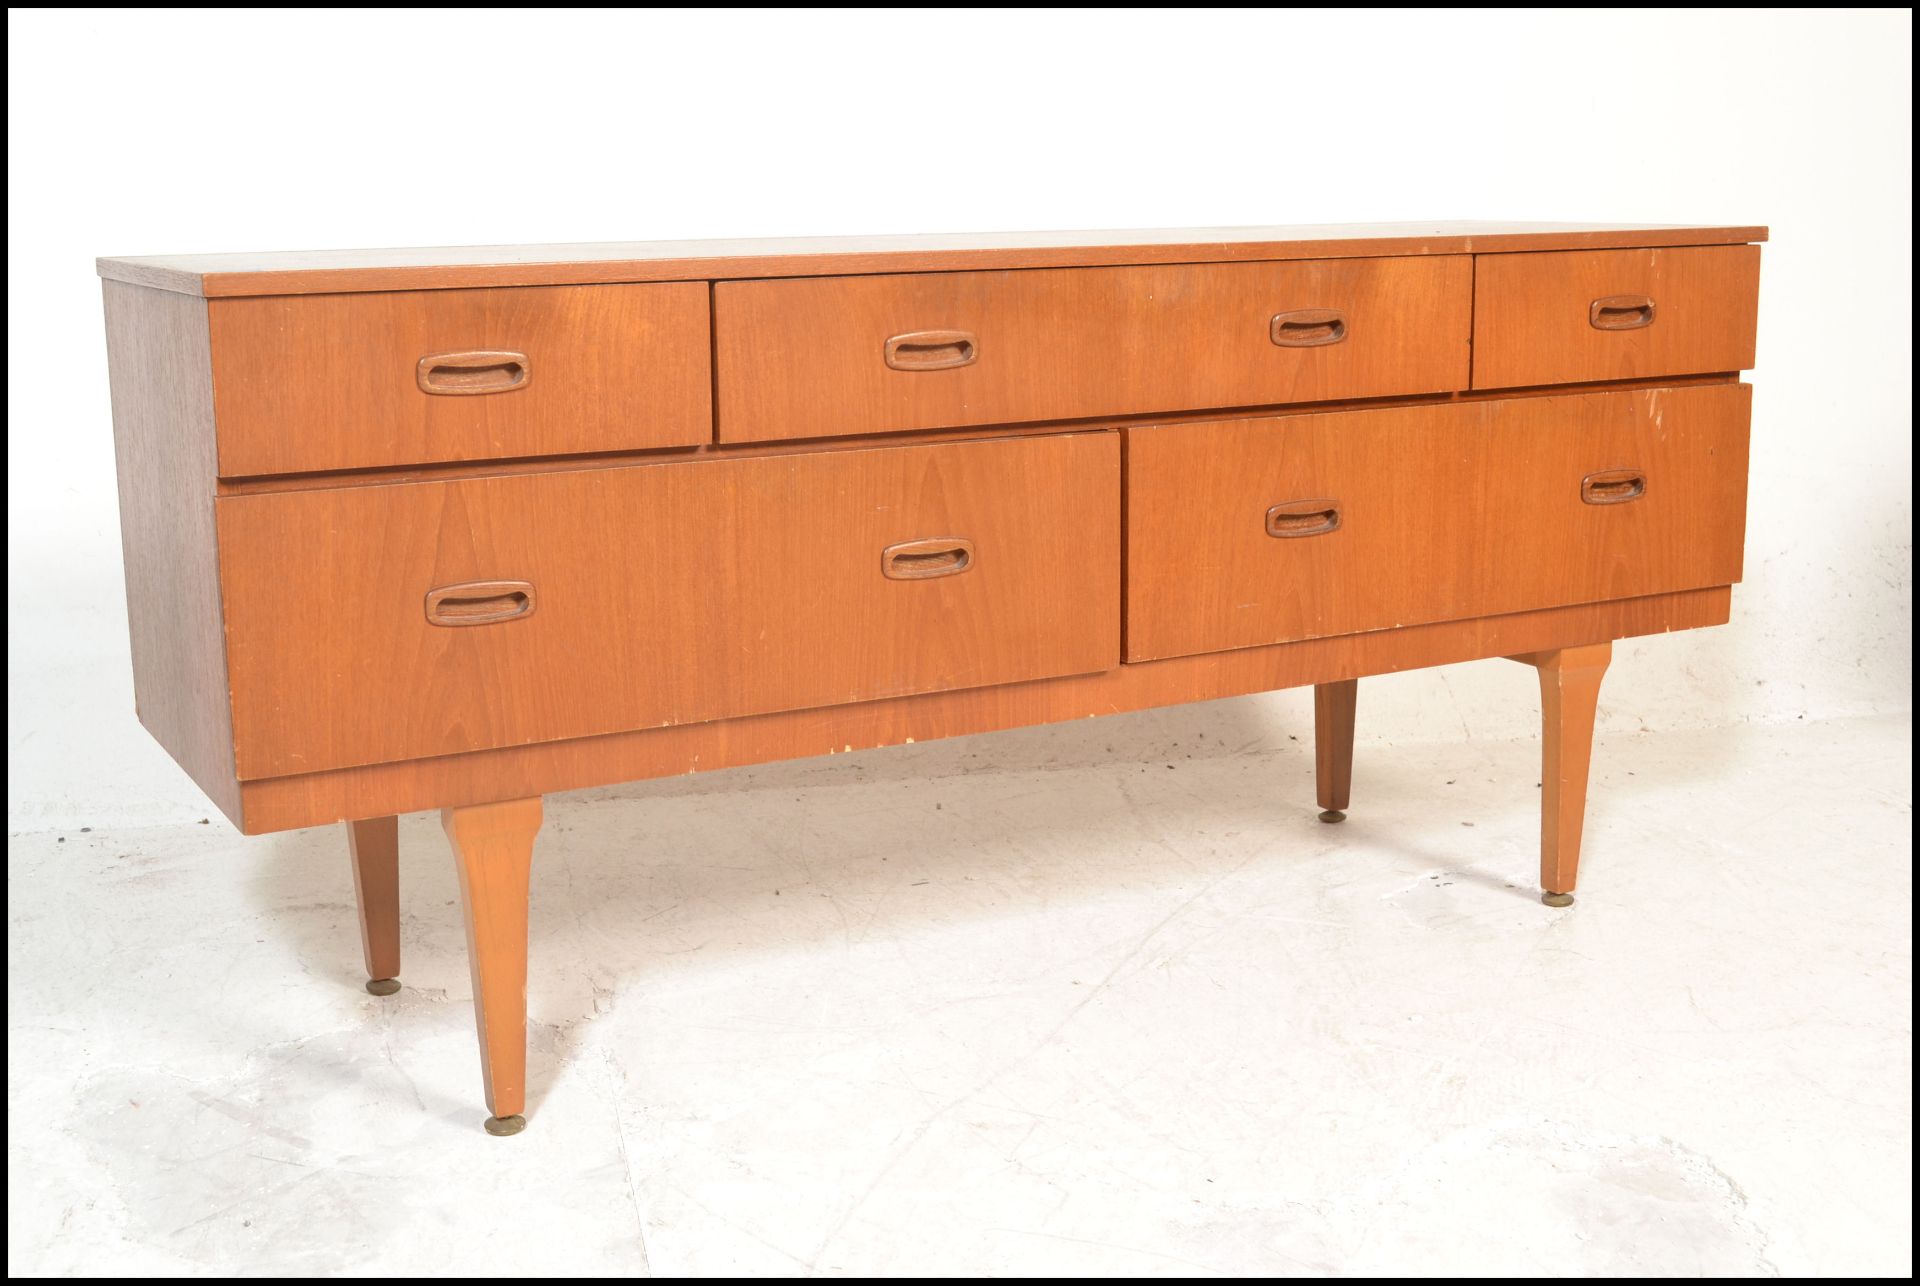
1578,316
317,382
377,623
1271,530
843,355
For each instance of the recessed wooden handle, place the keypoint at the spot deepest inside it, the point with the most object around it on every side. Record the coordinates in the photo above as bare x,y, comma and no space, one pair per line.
1621,312
932,350
1303,518
1309,327
1613,486
480,602
477,371
925,559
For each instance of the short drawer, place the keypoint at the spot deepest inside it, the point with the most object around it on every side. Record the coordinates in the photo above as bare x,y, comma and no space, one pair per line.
376,623
1297,527
839,355
317,382
1578,316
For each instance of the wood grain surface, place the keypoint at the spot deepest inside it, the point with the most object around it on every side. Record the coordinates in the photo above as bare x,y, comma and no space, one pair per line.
805,359
373,850
299,272
317,798
1533,324
459,528
1445,512
332,381
493,851
666,593
740,450
160,373
1569,701
1333,711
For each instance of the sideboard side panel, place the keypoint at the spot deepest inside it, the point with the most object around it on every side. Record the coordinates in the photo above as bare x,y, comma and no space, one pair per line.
160,372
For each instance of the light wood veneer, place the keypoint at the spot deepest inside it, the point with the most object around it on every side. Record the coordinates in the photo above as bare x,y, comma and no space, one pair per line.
659,594
456,529
1655,312
807,358
1429,513
310,383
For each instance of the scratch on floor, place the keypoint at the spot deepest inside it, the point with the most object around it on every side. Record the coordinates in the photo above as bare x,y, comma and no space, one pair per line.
626,1164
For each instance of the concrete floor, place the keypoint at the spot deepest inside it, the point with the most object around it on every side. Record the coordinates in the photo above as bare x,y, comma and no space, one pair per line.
920,1011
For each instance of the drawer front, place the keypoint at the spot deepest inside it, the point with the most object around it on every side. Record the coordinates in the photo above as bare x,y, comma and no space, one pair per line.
840,355
1298,527
602,600
1568,318
315,382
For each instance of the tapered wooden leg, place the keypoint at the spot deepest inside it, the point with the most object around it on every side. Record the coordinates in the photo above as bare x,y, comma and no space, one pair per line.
493,847
1333,745
1569,698
374,845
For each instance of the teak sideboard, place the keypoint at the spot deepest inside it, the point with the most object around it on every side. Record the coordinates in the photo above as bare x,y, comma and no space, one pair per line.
454,529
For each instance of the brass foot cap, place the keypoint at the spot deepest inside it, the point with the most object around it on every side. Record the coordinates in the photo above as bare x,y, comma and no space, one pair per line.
383,986
1557,899
1333,815
502,1126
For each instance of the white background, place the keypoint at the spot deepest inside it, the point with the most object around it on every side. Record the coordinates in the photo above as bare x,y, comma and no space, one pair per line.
141,133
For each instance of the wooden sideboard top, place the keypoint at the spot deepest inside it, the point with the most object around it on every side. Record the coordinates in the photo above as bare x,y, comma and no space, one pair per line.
304,272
